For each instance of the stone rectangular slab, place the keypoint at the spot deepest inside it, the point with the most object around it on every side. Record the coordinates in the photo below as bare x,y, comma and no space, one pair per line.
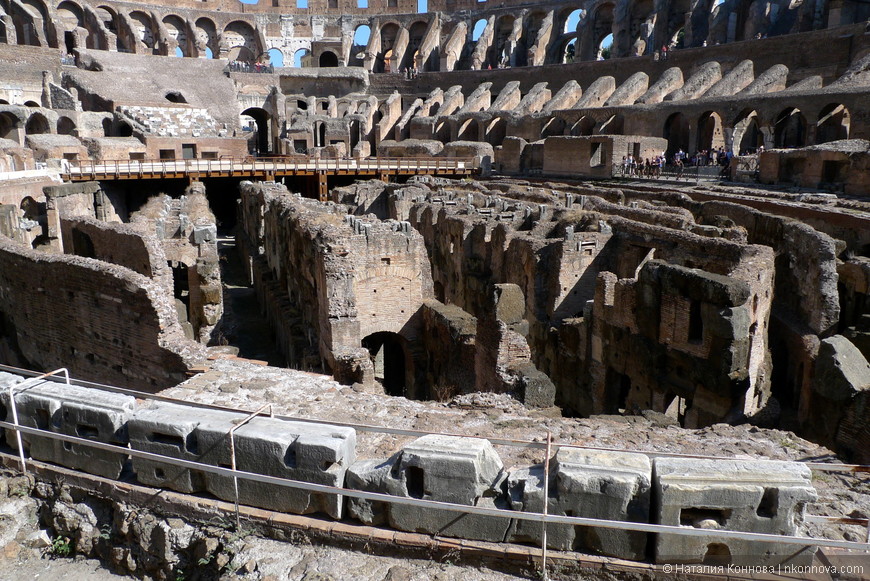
75,411
316,453
739,495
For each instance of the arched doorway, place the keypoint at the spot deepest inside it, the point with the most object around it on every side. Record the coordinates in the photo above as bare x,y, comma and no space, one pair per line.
328,59
615,125
710,135
260,142
276,57
8,126
833,123
554,126
469,131
677,133
790,129
585,126
65,126
388,353
747,135
496,131
37,124
302,58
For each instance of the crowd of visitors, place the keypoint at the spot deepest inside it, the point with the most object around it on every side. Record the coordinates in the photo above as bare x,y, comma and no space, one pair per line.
652,167
246,67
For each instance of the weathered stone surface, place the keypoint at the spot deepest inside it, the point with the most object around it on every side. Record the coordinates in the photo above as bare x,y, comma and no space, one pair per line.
741,495
292,450
588,484
841,370
443,468
74,411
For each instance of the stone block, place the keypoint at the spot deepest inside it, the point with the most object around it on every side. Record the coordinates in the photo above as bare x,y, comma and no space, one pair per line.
841,370
316,453
738,495
204,233
588,484
610,486
74,411
441,468
170,430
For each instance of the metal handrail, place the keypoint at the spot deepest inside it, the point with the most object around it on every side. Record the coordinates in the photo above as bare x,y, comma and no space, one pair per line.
819,466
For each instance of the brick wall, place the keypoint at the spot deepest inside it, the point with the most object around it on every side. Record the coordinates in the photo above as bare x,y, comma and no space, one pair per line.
104,322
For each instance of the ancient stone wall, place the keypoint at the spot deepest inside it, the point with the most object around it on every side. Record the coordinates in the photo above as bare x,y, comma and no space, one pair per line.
117,325
360,280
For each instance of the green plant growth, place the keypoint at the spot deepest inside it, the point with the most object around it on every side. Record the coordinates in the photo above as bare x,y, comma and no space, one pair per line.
61,547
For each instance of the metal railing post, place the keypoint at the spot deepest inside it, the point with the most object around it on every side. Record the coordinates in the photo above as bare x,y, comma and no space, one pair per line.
231,437
546,507
17,432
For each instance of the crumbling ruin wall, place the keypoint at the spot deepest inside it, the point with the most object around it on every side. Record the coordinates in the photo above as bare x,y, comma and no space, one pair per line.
333,280
185,229
554,253
114,243
806,265
449,341
118,326
674,340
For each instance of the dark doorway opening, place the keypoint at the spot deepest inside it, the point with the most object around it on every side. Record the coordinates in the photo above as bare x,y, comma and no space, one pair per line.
388,355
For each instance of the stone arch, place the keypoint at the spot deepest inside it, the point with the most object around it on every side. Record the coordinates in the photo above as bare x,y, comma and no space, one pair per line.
383,62
69,17
31,23
9,125
567,53
361,36
477,30
677,11
240,39
615,125
276,57
833,124
328,59
108,17
747,132
261,140
676,131
37,124
571,17
207,42
143,30
469,130
504,52
319,134
442,130
602,27
416,33
584,126
640,29
176,29
66,126
531,27
710,132
496,129
302,58
790,129
553,126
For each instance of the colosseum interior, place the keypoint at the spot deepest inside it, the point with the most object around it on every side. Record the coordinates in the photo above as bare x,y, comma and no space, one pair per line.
478,252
